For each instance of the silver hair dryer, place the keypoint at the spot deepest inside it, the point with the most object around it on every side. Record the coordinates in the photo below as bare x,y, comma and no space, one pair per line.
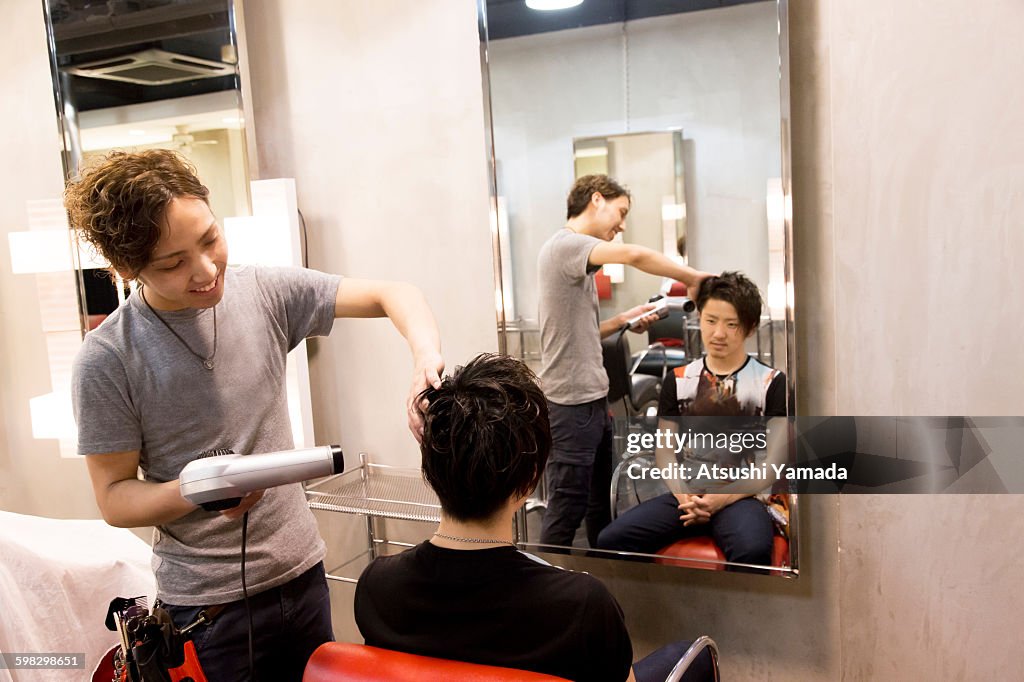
219,479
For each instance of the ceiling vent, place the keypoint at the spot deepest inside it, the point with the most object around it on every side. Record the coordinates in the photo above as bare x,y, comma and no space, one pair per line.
152,67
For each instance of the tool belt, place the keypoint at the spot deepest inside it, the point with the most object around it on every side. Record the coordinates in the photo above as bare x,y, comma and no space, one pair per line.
152,648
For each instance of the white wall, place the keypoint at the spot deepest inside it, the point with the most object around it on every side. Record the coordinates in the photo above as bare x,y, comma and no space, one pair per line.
376,110
712,73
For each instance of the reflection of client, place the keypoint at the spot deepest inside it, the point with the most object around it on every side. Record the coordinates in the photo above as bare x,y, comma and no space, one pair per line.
468,594
571,330
725,383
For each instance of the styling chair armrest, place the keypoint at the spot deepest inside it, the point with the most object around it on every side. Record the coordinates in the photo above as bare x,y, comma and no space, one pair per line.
699,644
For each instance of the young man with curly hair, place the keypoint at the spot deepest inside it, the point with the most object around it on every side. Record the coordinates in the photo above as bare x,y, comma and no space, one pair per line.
735,391
195,360
467,593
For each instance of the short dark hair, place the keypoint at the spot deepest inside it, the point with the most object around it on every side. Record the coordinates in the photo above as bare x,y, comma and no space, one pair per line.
119,205
584,188
737,289
486,436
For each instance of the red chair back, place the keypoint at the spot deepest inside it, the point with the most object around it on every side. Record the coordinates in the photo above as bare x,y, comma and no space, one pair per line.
347,662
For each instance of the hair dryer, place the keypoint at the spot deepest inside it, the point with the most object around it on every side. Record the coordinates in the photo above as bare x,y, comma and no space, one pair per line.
219,479
662,307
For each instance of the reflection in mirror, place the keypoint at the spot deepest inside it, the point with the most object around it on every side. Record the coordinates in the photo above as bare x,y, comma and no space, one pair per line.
148,74
650,165
681,103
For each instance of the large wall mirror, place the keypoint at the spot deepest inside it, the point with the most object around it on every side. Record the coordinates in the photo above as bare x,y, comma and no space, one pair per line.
685,102
145,74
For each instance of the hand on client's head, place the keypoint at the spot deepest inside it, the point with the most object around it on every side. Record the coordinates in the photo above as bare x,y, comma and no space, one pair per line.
426,375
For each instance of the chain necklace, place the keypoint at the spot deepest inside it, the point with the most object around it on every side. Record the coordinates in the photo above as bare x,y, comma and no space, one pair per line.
482,541
207,362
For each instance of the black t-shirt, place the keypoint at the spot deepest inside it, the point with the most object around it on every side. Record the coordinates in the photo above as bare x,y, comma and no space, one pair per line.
494,606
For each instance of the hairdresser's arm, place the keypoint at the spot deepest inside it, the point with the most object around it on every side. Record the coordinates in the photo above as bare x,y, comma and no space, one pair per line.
127,502
614,324
648,260
407,309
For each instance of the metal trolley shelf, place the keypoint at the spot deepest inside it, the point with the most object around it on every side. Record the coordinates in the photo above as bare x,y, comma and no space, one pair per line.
375,491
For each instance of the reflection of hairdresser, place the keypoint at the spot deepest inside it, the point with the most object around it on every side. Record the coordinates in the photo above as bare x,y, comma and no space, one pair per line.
195,360
468,594
725,383
571,330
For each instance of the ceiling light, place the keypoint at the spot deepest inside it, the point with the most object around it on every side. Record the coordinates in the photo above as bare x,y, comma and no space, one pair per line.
552,4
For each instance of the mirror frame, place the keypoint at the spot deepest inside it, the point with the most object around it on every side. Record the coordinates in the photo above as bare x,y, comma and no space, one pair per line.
789,324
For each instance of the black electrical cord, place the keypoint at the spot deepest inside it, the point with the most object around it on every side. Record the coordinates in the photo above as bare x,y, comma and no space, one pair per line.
245,596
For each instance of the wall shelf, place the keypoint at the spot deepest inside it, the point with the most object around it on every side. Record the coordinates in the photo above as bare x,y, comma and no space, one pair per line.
375,491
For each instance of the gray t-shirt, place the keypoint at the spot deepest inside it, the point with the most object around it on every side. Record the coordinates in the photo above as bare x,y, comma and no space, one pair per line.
136,387
572,371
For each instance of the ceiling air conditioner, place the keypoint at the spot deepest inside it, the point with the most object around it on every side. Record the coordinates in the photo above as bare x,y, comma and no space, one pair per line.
152,67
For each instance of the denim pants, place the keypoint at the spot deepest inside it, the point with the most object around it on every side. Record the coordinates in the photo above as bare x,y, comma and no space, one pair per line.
743,530
289,622
579,472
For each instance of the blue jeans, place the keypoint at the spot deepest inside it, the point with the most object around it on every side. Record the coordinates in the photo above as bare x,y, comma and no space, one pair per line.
656,666
579,472
743,530
289,622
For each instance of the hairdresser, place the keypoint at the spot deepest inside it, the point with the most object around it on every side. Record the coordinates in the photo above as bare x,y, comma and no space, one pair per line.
195,360
572,374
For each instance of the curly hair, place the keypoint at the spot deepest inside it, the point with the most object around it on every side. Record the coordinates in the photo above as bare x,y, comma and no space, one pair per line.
486,436
737,289
119,204
584,188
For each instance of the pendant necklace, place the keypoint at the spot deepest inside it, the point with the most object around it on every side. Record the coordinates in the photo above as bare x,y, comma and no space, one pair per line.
207,362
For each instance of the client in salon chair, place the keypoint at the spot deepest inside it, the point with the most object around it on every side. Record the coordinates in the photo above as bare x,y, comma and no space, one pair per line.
733,391
467,593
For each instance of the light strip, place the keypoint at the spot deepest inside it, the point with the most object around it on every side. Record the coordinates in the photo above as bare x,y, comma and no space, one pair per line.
545,5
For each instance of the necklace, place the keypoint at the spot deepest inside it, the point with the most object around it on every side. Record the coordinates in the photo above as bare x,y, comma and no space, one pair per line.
482,541
207,362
